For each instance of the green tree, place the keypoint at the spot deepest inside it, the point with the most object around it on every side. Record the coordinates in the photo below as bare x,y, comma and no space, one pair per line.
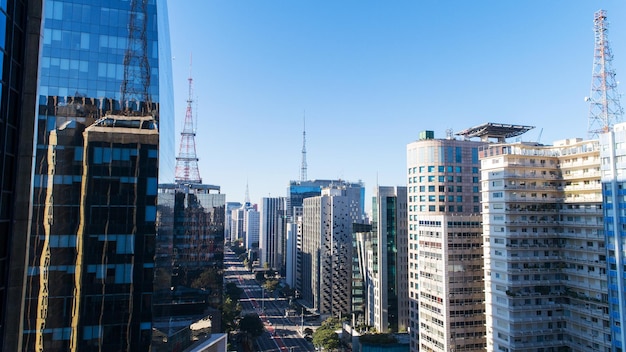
308,332
251,325
270,286
327,338
233,291
230,311
332,323
260,276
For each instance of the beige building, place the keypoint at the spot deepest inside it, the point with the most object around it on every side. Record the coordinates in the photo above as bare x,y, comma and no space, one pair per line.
544,247
446,299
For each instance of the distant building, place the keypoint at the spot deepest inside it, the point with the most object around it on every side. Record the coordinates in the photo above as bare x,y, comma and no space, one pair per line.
446,298
238,231
327,248
297,191
272,233
230,227
252,229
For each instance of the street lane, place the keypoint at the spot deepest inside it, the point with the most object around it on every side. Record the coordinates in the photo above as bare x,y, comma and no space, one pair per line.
282,334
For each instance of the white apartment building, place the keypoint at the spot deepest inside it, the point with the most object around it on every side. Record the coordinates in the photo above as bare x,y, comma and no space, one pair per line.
544,247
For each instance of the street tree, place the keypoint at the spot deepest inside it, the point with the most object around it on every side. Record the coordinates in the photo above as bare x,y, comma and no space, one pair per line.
270,286
327,338
233,291
230,311
251,325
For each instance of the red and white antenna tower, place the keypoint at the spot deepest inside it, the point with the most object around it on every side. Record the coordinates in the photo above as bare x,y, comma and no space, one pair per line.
605,108
187,171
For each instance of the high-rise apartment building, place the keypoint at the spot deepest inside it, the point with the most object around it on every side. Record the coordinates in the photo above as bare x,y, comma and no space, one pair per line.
91,246
545,247
327,248
272,233
446,299
18,92
380,263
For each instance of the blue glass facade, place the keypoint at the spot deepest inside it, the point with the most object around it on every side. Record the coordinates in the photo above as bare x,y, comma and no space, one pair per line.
613,165
92,237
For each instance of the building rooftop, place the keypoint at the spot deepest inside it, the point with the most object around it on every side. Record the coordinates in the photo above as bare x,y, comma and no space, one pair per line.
491,130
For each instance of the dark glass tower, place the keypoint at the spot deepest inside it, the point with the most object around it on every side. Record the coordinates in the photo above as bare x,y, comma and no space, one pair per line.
19,45
190,252
96,167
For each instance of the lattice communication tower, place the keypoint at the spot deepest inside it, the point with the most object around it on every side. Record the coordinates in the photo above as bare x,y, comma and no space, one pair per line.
187,171
605,109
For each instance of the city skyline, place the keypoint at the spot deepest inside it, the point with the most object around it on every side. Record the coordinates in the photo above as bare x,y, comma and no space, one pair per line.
362,72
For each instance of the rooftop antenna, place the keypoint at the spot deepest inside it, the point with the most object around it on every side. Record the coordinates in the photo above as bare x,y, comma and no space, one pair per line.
604,106
187,171
303,175
247,199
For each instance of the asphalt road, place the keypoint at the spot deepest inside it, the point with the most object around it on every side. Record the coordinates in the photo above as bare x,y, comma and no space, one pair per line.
281,333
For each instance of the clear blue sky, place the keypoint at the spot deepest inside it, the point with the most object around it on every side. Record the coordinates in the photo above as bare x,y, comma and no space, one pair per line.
371,75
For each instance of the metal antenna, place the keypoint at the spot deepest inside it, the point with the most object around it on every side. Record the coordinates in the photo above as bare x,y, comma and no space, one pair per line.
187,171
604,105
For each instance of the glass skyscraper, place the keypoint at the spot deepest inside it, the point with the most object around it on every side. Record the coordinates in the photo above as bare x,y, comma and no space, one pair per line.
19,45
104,92
612,156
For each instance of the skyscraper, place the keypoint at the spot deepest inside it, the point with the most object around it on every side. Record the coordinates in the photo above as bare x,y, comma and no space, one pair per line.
91,239
446,299
190,244
297,191
327,248
390,259
18,87
612,157
380,263
545,248
272,232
